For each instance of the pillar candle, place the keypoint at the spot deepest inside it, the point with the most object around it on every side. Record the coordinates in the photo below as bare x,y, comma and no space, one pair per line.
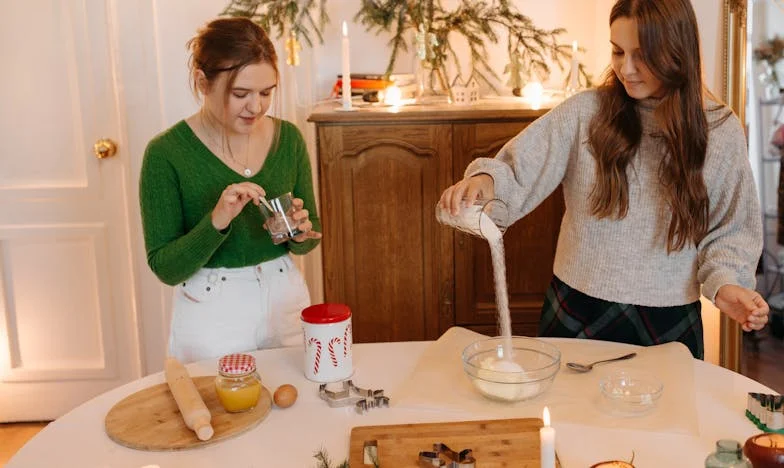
573,77
346,69
547,441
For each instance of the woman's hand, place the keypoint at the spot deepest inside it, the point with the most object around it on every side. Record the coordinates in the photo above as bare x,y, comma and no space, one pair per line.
743,305
232,201
301,216
467,191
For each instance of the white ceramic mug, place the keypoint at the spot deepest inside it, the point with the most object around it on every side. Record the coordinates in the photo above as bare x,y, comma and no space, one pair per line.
327,332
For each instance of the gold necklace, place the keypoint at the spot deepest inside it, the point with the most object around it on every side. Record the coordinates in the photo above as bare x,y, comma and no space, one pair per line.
245,169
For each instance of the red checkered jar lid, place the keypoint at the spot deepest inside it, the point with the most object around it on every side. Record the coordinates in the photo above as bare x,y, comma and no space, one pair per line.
237,364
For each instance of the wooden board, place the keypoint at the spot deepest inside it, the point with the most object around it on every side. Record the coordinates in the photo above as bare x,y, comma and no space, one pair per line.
150,420
495,443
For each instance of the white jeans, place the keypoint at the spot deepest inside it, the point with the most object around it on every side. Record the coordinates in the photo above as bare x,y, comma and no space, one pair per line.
220,311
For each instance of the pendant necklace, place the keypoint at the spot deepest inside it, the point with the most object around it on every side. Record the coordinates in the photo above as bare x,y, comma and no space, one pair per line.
246,170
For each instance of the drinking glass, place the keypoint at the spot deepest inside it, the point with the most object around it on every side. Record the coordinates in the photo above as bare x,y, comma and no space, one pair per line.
278,218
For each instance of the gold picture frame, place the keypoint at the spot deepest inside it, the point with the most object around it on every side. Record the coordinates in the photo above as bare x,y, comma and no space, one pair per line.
734,94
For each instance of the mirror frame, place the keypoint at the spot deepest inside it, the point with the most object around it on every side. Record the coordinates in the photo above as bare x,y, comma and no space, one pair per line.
734,94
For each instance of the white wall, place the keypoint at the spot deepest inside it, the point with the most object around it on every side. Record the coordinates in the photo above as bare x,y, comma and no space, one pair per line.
173,22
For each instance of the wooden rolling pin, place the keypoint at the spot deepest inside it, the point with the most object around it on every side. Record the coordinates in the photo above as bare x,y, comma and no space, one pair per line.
194,411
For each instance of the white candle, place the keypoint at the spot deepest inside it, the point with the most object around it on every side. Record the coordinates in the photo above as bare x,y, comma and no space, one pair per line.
547,441
573,83
346,69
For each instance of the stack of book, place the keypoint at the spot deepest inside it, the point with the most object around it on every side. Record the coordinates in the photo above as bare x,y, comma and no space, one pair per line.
363,83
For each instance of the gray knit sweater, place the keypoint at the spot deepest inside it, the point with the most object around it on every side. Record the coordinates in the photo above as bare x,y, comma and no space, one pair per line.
626,260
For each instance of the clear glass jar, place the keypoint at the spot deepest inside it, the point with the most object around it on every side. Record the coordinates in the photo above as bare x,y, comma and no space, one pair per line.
728,454
238,385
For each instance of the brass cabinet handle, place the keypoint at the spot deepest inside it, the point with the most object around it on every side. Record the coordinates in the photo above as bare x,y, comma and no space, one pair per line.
104,148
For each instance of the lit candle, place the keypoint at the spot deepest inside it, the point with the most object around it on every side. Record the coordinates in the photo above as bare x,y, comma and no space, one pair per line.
346,70
533,93
547,441
573,83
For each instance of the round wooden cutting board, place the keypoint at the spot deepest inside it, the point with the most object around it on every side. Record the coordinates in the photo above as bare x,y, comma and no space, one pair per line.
150,420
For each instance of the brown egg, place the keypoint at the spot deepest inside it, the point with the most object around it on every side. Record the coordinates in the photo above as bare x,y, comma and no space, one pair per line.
285,396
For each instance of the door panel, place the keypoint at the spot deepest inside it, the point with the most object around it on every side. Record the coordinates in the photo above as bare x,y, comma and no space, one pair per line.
67,319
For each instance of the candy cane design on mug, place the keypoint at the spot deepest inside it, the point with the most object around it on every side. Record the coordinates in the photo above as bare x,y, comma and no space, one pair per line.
346,341
318,353
332,355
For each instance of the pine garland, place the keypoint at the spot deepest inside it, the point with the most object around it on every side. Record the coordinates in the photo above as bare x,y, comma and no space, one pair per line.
302,18
478,21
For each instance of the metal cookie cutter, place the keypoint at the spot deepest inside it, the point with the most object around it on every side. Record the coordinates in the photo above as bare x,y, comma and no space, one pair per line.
350,394
443,456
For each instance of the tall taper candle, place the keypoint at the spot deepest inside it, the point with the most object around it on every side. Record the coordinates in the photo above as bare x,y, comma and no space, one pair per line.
346,69
547,441
574,74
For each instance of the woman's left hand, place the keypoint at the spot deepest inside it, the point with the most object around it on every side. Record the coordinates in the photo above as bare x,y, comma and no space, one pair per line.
743,305
301,215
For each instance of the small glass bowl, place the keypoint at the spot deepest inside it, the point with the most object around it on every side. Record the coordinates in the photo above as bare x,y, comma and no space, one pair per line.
526,374
629,392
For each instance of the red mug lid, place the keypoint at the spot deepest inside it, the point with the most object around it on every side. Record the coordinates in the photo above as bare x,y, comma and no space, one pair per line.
326,313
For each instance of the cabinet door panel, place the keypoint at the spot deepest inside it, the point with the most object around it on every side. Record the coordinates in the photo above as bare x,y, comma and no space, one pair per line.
529,243
384,256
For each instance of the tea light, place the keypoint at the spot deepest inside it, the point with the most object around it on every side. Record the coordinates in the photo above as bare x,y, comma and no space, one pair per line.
392,96
533,93
765,450
547,441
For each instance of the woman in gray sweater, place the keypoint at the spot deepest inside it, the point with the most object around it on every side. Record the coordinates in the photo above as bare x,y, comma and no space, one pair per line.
660,201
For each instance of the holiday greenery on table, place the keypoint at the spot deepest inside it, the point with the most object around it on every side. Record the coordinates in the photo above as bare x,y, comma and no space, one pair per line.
431,27
530,49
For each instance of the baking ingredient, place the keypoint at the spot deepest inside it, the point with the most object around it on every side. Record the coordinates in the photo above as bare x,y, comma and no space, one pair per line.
503,379
237,398
285,396
194,412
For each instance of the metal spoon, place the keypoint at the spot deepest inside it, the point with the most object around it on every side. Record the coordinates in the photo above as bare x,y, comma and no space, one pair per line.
586,367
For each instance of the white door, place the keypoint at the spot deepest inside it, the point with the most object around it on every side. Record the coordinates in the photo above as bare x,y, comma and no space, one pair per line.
67,322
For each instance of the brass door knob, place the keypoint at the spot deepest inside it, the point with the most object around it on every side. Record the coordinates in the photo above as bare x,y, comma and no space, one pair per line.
104,148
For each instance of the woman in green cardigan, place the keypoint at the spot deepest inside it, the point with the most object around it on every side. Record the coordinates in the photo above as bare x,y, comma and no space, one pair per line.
200,187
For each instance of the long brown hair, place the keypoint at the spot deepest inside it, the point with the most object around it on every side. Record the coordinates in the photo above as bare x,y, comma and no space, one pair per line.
227,45
669,44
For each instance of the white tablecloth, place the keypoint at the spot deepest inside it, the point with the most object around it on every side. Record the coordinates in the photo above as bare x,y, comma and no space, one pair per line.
289,437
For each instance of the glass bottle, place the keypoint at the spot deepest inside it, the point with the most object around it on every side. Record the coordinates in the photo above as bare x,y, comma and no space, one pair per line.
238,385
728,454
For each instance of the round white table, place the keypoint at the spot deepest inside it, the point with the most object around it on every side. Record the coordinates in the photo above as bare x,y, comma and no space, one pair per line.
290,437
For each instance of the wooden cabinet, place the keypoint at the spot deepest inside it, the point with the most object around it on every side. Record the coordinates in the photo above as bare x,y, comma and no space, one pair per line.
405,276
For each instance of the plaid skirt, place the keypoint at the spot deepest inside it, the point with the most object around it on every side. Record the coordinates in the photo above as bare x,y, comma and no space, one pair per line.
568,313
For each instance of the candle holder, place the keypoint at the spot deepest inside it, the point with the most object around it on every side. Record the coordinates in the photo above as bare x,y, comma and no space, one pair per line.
765,450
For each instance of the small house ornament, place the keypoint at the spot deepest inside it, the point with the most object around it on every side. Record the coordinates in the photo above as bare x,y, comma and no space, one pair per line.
465,93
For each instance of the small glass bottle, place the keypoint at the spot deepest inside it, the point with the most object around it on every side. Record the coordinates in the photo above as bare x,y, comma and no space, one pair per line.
728,454
238,385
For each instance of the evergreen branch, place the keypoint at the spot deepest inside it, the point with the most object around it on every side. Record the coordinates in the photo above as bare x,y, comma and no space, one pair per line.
282,16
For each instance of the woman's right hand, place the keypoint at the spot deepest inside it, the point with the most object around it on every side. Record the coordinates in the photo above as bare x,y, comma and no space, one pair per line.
233,200
467,191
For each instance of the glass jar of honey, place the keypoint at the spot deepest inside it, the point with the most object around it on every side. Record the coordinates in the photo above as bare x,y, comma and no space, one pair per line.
238,385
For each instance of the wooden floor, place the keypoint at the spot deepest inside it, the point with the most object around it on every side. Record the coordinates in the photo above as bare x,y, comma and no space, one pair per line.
761,360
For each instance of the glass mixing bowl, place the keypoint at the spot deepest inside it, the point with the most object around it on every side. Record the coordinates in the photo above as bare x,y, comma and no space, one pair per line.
629,392
525,373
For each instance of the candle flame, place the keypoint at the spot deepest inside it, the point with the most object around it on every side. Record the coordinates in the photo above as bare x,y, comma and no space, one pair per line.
574,47
546,417
345,29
